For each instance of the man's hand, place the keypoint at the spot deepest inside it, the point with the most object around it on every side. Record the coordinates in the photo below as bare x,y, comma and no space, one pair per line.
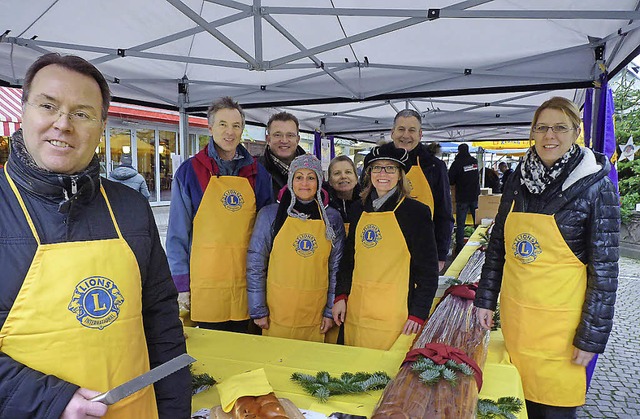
327,324
410,327
581,357
339,311
485,317
184,301
262,322
441,264
80,407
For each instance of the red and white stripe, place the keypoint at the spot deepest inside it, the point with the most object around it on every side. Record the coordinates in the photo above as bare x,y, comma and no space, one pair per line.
10,110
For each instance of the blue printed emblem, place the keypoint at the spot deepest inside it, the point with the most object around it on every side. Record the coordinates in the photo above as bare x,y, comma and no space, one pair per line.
526,248
96,302
232,200
370,235
305,245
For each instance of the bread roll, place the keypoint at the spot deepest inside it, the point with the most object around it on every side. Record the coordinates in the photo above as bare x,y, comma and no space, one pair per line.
251,407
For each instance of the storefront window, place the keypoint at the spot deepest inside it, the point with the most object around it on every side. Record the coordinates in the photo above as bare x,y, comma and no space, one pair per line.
101,151
120,143
166,152
145,144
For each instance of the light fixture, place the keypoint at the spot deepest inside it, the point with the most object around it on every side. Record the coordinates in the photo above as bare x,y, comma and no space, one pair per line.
126,149
161,149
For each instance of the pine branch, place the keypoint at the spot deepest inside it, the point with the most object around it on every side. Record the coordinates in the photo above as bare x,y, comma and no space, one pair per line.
322,386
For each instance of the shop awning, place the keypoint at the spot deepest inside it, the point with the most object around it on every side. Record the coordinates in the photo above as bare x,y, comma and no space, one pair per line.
10,110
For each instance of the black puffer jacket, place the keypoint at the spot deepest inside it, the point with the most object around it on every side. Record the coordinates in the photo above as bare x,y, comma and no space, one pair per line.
586,209
25,392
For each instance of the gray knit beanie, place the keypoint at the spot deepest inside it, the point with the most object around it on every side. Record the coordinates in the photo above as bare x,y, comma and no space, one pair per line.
309,161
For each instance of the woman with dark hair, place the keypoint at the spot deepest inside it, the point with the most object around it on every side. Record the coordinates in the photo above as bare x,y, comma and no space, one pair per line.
293,258
389,269
343,186
553,259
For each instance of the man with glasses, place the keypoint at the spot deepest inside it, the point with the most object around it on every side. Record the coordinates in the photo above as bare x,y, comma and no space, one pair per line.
282,148
428,177
86,297
215,197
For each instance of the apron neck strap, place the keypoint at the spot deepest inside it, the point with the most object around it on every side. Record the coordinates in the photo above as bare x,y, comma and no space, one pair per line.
400,202
22,205
30,220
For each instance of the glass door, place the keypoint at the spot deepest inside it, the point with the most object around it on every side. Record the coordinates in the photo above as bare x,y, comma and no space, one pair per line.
146,154
120,144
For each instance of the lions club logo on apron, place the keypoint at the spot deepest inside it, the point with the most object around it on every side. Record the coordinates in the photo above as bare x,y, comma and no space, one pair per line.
370,235
96,302
305,245
232,200
526,248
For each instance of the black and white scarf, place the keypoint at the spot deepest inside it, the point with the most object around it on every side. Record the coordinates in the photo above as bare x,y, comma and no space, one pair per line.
536,176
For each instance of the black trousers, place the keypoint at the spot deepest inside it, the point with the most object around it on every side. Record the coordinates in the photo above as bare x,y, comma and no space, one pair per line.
228,326
543,411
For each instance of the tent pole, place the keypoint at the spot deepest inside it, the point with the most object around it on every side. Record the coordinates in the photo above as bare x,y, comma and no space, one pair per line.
599,68
183,124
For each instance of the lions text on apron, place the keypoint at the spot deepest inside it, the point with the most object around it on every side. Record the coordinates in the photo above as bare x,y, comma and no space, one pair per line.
221,231
78,316
298,280
420,189
543,289
377,307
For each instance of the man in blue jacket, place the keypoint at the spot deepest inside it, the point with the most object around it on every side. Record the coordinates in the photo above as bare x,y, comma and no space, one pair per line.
86,297
427,176
214,200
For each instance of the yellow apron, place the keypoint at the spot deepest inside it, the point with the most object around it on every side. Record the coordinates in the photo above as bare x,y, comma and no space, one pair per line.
298,280
377,307
78,316
221,231
543,289
420,189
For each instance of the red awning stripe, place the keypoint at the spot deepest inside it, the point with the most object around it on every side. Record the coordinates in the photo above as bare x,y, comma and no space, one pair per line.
10,104
8,128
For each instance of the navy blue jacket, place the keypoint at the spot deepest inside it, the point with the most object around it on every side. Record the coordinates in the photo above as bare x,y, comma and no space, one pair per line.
27,393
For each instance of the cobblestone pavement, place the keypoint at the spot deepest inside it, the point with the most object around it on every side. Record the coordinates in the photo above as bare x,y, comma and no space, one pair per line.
615,388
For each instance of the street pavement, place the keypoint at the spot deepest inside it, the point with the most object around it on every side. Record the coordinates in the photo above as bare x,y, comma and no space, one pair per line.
615,387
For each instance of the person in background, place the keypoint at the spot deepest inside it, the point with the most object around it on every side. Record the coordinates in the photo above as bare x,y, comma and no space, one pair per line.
282,139
463,174
214,200
427,177
86,297
389,268
343,186
491,180
128,175
553,260
293,258
505,170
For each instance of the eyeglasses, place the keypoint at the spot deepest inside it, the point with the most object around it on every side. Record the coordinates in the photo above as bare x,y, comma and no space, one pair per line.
281,135
542,129
49,110
388,169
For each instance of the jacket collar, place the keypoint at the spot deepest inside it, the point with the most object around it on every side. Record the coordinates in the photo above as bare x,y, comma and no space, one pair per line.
49,186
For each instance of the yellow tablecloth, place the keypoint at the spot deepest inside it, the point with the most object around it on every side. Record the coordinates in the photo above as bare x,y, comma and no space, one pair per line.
224,354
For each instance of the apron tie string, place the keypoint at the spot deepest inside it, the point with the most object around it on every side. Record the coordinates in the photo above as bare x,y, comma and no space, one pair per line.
440,353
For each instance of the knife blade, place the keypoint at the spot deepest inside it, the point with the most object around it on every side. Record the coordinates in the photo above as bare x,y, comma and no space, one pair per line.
138,383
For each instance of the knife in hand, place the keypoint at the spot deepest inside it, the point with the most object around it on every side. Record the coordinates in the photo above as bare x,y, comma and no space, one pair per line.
136,384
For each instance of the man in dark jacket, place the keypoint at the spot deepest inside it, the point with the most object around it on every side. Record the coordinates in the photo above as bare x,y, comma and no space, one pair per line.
86,297
282,147
463,174
505,170
428,177
128,175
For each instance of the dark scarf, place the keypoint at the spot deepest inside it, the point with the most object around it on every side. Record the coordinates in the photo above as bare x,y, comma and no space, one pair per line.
310,209
51,186
536,176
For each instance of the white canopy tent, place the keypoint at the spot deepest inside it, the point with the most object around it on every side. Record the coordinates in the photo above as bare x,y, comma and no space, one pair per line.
474,68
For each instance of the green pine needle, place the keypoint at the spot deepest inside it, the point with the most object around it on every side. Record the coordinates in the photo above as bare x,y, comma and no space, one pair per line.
504,408
322,386
451,376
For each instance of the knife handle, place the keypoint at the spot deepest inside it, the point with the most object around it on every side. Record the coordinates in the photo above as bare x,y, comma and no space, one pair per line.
103,398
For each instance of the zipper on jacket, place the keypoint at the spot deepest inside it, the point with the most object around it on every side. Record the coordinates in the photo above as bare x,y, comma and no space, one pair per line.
74,185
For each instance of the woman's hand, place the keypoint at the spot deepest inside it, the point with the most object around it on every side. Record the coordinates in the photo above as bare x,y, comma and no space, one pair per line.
262,322
327,323
339,311
581,357
485,317
410,327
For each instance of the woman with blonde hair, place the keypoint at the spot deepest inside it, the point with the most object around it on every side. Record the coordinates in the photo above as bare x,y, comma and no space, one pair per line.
389,270
553,259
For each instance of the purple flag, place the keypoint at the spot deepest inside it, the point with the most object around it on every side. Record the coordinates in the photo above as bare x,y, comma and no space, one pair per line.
605,141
